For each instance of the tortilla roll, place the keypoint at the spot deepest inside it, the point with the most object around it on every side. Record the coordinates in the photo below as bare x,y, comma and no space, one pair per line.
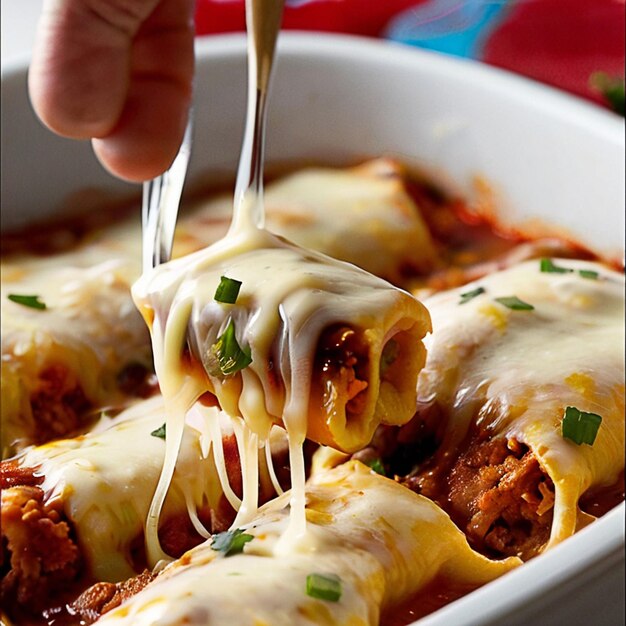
344,212
332,351
77,347
74,510
503,380
379,542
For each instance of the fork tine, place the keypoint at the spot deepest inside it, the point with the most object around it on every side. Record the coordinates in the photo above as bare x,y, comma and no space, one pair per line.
160,202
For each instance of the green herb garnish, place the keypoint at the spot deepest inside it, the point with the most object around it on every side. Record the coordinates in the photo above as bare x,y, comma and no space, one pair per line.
546,265
470,295
589,274
231,358
580,427
514,303
228,290
323,587
30,301
377,466
230,542
611,88
159,432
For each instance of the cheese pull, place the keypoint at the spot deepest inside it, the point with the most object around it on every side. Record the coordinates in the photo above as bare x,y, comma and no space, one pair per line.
515,360
61,364
101,485
316,345
377,543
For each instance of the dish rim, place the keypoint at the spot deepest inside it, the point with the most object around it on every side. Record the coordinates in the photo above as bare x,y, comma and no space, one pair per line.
297,42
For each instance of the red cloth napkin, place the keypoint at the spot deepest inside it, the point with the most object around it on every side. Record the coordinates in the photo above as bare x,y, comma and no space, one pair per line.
559,42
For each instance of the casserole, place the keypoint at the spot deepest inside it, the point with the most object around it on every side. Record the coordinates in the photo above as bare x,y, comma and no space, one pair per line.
533,145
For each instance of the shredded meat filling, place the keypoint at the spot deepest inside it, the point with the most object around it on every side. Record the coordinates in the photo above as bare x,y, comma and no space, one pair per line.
103,597
343,366
403,449
12,475
41,555
498,494
57,404
135,379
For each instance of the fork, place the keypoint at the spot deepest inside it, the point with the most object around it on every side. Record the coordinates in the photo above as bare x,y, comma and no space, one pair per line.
161,195
160,202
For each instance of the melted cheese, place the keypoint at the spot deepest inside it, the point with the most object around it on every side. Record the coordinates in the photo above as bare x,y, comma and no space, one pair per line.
106,479
514,372
90,327
343,212
382,540
288,298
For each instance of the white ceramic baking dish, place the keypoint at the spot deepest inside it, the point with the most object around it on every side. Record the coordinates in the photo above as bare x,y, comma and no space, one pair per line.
545,155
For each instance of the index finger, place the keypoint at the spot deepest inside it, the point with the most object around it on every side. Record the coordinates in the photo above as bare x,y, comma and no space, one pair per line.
119,72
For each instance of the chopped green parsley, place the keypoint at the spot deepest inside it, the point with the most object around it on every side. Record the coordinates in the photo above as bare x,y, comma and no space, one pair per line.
591,274
377,466
159,432
230,357
228,290
579,426
33,302
230,541
324,587
547,265
514,303
470,295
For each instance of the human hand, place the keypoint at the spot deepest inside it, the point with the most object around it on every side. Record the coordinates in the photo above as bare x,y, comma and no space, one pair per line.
118,72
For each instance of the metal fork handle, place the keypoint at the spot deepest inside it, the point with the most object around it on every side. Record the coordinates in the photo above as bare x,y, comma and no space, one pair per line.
160,202
263,18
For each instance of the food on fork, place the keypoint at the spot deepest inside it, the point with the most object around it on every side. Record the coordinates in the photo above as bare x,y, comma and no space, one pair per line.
305,341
